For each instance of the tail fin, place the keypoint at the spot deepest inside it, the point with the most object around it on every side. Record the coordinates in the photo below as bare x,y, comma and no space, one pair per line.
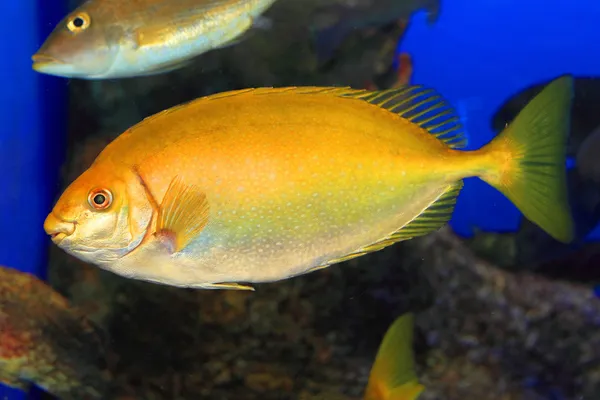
393,376
530,156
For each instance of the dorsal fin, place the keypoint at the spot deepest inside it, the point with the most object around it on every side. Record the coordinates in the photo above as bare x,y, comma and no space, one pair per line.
341,91
418,104
393,375
422,106
436,215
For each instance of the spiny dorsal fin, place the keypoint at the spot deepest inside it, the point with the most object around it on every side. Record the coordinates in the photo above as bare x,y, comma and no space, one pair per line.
432,218
422,106
262,91
418,104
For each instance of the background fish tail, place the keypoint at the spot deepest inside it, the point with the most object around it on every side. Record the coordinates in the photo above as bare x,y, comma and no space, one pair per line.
527,160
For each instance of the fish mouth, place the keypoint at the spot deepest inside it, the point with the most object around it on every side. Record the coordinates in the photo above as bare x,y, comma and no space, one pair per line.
58,229
58,237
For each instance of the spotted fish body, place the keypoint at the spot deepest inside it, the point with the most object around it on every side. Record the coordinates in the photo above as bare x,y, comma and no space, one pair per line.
289,180
142,37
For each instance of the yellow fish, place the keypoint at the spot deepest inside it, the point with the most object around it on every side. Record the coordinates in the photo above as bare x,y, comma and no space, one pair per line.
393,374
261,185
105,39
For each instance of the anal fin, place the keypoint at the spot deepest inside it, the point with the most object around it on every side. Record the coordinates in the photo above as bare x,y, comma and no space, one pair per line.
433,217
224,286
183,214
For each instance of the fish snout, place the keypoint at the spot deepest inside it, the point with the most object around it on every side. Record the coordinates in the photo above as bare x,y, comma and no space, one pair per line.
57,228
40,60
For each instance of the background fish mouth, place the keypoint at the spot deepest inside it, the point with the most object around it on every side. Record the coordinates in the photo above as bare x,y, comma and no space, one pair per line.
42,59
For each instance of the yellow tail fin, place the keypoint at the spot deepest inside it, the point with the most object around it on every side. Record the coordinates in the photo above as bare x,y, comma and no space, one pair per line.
393,376
529,160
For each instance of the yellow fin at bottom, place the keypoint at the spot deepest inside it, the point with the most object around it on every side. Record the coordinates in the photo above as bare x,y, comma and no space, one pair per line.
393,376
409,391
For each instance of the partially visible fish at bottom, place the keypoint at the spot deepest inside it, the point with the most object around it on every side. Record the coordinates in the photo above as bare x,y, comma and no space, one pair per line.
392,376
44,341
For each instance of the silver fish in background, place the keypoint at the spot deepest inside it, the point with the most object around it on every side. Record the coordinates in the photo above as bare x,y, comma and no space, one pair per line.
104,39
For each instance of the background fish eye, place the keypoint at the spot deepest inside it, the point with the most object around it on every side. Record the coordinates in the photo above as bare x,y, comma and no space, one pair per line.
100,199
79,22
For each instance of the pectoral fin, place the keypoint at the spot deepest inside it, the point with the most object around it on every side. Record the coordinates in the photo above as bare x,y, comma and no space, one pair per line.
183,214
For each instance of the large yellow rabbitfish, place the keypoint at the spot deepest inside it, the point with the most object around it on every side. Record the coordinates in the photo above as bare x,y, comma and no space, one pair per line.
260,185
105,39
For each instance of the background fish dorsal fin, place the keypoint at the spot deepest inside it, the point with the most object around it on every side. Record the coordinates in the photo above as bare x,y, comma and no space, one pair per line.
393,373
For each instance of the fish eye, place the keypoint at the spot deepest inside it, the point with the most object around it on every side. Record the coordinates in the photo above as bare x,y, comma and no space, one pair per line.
100,199
79,22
